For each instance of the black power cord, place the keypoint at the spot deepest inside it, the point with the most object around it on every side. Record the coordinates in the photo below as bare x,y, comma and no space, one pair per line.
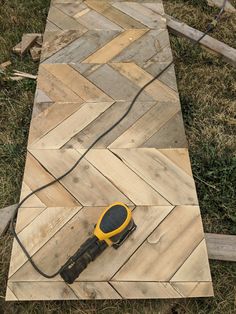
210,27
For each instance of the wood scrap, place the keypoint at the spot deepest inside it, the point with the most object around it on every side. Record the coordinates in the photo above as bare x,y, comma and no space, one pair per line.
221,247
6,214
218,3
4,65
28,41
35,53
25,75
211,44
17,48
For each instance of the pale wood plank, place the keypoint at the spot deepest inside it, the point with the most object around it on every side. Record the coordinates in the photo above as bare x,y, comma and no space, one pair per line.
180,157
61,20
25,291
221,247
55,195
27,41
36,234
196,267
147,125
114,47
94,20
228,53
80,227
171,135
54,41
136,189
85,183
116,85
82,47
144,290
106,120
94,291
26,215
68,128
50,118
194,289
114,14
54,88
161,173
10,295
167,248
141,13
77,83
157,89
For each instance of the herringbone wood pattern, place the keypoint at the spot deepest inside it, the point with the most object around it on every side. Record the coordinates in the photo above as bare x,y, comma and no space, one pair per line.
96,56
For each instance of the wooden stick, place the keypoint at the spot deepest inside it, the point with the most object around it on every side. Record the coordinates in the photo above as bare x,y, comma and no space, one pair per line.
221,247
26,75
181,29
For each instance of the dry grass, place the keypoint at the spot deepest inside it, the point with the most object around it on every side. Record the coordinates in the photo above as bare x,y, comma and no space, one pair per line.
208,92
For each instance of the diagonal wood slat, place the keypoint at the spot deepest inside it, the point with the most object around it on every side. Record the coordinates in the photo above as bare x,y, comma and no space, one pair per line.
96,56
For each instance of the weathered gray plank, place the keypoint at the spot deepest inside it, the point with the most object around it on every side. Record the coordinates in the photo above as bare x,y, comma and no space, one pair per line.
221,247
228,53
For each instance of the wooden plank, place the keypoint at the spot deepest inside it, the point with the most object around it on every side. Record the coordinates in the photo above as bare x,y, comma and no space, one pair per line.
27,41
41,291
6,214
226,52
72,125
161,173
137,190
95,189
194,289
221,247
168,247
39,232
114,47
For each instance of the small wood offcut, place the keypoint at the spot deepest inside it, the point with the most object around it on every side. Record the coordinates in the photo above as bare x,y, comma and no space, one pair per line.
96,56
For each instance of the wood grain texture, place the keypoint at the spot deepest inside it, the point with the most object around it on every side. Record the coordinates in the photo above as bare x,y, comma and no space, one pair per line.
221,247
96,56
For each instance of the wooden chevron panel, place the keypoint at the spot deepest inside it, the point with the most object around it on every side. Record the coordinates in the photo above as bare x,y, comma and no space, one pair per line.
96,56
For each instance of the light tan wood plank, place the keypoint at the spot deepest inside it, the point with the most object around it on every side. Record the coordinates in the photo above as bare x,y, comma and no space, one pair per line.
218,3
136,189
26,215
77,83
54,88
115,15
167,248
10,295
36,176
6,215
161,173
26,291
86,183
114,47
51,117
196,267
158,90
147,125
194,289
145,290
39,232
221,246
68,128
94,291
180,157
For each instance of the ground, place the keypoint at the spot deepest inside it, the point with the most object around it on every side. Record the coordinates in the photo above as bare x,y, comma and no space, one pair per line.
208,92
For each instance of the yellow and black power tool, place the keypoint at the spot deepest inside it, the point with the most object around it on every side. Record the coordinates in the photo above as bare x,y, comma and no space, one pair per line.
112,229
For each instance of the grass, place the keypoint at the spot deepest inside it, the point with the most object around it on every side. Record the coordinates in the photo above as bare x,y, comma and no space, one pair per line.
208,92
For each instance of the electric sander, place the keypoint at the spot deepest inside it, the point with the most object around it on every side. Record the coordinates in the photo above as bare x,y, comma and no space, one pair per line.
112,229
